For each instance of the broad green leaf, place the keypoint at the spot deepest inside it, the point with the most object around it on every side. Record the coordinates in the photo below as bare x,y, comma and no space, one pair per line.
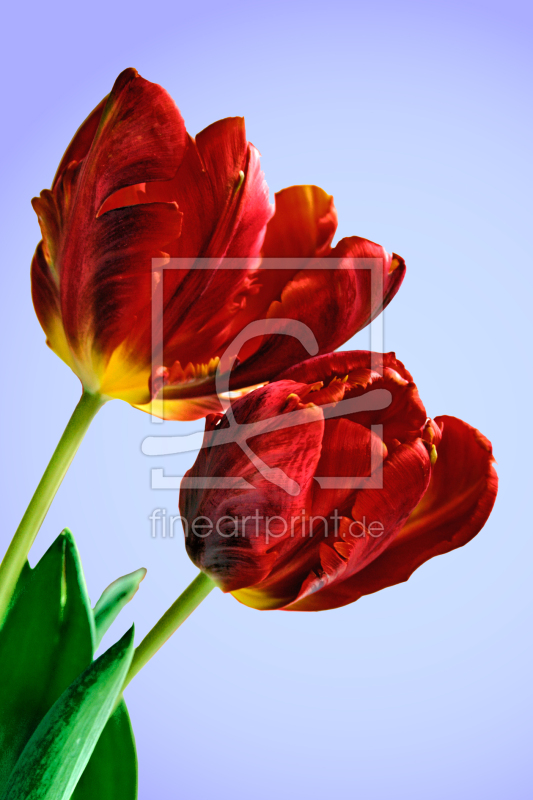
113,600
54,758
111,774
45,643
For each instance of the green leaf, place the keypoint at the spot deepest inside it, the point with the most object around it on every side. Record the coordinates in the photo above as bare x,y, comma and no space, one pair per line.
45,643
48,639
111,774
54,758
113,600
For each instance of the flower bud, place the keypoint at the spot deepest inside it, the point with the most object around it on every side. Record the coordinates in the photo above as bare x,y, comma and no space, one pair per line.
138,207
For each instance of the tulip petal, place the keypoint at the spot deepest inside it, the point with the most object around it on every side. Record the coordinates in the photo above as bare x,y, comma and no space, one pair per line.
362,522
458,502
137,134
183,410
302,228
117,292
222,194
346,453
125,241
330,365
376,517
454,509
278,487
240,230
303,225
390,271
297,572
46,301
333,303
361,372
141,137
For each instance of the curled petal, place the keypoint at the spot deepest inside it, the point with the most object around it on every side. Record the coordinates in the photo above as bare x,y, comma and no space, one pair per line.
376,517
334,303
373,287
322,368
454,509
362,372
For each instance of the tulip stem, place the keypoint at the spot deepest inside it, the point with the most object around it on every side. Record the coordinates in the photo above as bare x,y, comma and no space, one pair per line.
17,552
170,622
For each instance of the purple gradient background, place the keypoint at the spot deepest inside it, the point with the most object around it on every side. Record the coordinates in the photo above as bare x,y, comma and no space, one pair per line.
415,116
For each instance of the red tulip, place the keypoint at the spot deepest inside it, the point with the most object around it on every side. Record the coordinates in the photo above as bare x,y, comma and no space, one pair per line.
133,186
305,537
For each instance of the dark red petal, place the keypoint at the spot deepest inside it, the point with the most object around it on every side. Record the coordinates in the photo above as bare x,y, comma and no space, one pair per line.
120,288
141,137
254,211
392,269
346,452
205,188
455,508
240,194
222,193
306,560
333,303
362,372
379,513
45,291
246,559
325,367
45,296
458,502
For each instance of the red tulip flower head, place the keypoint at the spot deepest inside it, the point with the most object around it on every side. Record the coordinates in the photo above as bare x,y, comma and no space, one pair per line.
132,187
332,483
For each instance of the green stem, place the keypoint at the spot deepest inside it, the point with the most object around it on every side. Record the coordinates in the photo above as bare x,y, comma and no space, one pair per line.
17,553
170,622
